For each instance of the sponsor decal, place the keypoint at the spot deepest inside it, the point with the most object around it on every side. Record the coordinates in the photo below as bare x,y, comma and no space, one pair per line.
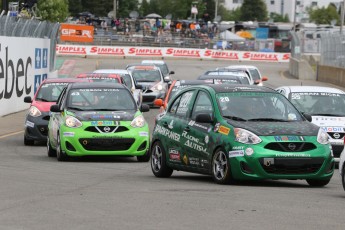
222,54
260,56
29,124
197,125
143,134
216,127
68,134
236,153
107,50
293,155
70,49
102,123
207,139
76,33
223,130
145,51
203,163
194,161
238,148
334,142
174,155
185,159
167,133
101,116
333,129
171,125
183,52
195,146
288,138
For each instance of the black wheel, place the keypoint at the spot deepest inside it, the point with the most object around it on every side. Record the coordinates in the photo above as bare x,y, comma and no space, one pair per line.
28,141
145,157
221,172
50,151
60,155
343,177
318,183
158,161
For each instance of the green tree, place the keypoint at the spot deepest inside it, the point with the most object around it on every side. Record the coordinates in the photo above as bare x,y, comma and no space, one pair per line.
98,7
229,15
75,7
324,15
127,6
144,8
279,18
53,10
254,10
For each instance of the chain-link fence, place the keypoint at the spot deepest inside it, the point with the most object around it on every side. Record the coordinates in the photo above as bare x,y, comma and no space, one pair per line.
20,27
333,50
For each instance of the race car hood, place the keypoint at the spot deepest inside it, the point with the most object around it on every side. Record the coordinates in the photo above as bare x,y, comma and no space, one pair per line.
325,121
148,85
103,115
43,106
299,128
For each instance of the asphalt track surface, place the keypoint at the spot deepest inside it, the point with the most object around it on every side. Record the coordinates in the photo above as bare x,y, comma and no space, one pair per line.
37,192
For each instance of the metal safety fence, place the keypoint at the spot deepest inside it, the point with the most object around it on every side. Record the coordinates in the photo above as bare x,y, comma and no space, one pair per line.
21,27
333,50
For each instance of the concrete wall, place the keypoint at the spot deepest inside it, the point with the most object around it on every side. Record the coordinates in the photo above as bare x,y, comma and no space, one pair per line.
304,69
333,75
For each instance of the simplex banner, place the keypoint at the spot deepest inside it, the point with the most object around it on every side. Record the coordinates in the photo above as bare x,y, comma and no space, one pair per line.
208,54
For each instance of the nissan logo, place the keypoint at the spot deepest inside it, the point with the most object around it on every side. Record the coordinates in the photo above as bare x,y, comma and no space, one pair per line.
106,129
292,146
336,135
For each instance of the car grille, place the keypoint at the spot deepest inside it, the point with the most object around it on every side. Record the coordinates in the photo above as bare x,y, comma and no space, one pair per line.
337,149
290,146
43,129
148,98
293,165
106,144
106,129
337,136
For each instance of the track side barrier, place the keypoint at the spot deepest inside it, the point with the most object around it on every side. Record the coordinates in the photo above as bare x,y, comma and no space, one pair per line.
157,52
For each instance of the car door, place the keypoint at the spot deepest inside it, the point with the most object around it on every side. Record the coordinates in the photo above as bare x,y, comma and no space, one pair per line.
197,135
174,121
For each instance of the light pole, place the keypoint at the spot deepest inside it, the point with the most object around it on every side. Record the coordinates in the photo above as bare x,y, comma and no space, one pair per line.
115,8
294,17
216,10
342,16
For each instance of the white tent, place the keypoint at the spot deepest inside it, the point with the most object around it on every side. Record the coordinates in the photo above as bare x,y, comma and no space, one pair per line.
229,36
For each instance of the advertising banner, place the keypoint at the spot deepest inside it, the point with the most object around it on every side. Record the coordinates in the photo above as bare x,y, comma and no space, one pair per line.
76,33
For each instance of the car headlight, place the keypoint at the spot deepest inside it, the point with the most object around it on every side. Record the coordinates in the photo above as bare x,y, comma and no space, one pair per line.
157,87
246,137
322,137
138,122
73,122
33,111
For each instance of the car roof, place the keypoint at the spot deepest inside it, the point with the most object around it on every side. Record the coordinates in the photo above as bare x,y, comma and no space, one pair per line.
319,89
241,67
63,80
119,71
203,77
193,82
93,85
225,88
160,62
99,75
142,67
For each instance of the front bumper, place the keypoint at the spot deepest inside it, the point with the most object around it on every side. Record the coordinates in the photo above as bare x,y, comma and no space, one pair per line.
150,97
268,164
36,128
78,142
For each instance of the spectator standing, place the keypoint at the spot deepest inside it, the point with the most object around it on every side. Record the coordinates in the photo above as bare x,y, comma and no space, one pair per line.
137,25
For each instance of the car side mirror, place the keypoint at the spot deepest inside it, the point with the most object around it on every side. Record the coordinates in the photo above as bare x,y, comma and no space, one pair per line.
256,82
172,72
204,118
27,99
307,116
138,86
144,108
264,78
166,79
158,102
55,109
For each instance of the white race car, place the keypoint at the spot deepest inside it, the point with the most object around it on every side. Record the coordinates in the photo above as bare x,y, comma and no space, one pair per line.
326,106
252,71
342,168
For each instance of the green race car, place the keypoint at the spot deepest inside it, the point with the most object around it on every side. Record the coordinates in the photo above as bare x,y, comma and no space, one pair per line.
236,132
97,119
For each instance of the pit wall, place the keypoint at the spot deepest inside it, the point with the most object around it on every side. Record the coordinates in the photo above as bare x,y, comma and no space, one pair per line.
24,64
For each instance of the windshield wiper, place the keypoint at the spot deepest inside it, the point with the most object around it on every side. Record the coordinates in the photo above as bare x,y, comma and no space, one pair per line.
268,119
75,108
104,109
42,99
144,81
235,118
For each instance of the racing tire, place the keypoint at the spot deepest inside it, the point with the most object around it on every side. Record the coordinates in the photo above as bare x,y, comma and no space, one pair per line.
343,177
158,161
60,155
145,157
50,151
317,183
221,171
28,142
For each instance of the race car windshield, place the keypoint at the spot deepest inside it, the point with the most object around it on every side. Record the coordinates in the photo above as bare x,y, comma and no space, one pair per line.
100,99
50,92
163,68
146,75
318,103
257,106
255,74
